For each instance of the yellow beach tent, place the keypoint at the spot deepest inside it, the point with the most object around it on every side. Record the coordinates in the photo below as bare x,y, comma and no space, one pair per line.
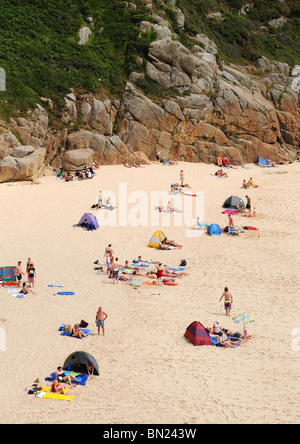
156,240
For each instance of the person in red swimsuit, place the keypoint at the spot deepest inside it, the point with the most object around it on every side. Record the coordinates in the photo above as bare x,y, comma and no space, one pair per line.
159,274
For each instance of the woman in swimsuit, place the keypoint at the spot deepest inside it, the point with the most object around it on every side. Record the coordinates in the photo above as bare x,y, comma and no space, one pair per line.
159,274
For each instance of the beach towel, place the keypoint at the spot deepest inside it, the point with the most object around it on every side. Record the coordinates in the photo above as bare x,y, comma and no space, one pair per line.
230,212
7,275
82,378
50,395
47,389
69,333
250,228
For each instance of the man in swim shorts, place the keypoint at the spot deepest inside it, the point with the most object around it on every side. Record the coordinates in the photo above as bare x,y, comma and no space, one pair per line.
101,316
19,272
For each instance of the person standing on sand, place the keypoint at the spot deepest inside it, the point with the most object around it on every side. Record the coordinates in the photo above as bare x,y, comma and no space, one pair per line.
100,199
248,205
31,275
230,221
182,178
228,301
159,274
116,269
19,272
101,316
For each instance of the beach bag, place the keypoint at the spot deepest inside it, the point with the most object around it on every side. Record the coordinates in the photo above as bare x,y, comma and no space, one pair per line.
183,263
83,323
68,328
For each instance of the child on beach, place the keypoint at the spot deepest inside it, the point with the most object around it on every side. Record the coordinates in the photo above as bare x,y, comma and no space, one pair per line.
228,301
31,275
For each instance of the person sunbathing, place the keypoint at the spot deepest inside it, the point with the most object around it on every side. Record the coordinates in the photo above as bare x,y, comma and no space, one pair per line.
173,273
26,289
170,243
171,209
62,377
223,340
127,165
220,173
77,333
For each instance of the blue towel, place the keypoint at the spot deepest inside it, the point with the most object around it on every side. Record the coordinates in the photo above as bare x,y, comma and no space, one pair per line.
82,378
68,333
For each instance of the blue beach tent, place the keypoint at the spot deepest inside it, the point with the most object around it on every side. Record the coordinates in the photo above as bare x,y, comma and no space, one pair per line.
214,230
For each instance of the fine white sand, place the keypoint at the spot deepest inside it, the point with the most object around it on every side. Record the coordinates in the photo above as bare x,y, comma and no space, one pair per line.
148,372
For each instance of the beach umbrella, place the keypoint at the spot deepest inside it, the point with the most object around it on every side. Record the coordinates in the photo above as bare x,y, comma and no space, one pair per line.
243,318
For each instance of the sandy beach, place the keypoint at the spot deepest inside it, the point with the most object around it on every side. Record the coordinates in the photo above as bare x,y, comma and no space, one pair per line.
149,373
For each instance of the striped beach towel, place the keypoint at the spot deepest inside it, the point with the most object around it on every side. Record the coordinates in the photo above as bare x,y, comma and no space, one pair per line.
7,274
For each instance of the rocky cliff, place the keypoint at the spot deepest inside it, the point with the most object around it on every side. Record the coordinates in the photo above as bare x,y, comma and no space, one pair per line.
182,100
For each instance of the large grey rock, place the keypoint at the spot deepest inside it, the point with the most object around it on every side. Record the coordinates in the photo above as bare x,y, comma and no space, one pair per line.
76,160
30,167
22,151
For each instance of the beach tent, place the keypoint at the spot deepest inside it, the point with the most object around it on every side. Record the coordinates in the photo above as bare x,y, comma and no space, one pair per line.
197,334
232,202
214,230
77,362
90,221
7,274
156,240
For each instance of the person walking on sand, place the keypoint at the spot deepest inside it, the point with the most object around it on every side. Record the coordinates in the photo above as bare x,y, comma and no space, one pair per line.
228,301
19,272
101,316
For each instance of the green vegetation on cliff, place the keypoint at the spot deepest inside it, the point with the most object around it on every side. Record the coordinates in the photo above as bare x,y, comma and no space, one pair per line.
40,53
244,37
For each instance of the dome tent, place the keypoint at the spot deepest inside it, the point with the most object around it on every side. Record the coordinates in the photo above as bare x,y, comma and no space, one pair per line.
77,362
156,240
89,221
214,230
232,202
197,334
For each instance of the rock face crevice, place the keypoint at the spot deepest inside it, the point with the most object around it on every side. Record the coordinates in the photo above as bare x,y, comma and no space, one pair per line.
213,109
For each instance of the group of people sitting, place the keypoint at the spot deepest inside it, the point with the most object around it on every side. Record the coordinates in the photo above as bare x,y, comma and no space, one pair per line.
87,173
248,184
227,338
132,165
164,162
